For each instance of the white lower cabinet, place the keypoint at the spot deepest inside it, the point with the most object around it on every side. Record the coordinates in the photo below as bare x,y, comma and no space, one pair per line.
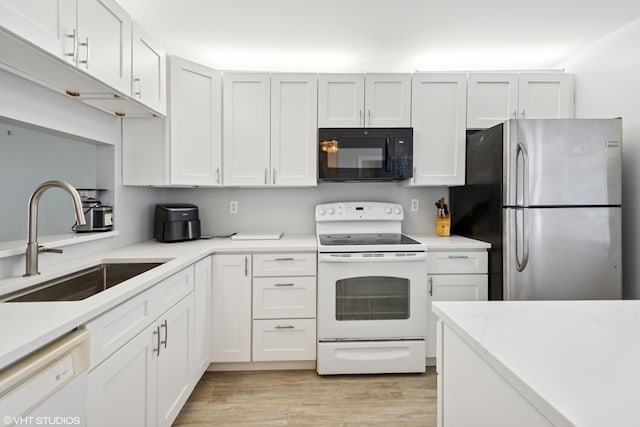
145,380
454,276
264,307
231,308
203,276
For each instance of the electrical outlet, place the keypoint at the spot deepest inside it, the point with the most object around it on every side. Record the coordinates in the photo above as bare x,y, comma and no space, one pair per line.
233,207
415,205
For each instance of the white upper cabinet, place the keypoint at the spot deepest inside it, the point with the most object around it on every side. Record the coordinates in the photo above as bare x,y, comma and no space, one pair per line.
545,95
246,105
294,129
104,42
148,70
438,110
185,148
51,25
496,97
359,100
195,122
340,100
387,100
270,129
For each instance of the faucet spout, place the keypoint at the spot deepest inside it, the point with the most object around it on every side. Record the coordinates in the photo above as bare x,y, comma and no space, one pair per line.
32,243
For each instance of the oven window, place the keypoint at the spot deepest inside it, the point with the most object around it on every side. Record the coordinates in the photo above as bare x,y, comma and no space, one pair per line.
372,298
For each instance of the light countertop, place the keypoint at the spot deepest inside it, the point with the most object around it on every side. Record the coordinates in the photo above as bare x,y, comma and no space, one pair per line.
26,326
575,361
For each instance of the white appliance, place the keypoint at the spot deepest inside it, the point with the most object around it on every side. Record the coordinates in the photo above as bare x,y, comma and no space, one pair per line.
48,387
372,291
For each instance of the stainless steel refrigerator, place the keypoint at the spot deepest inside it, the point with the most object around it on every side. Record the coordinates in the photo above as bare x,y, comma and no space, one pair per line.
547,195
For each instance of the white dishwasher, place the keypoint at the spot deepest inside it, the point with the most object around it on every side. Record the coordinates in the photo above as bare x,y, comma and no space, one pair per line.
49,387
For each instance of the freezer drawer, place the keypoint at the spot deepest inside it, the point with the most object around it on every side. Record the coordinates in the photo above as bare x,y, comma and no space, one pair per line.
562,254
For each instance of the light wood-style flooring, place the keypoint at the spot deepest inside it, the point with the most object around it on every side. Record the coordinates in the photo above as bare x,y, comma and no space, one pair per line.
302,398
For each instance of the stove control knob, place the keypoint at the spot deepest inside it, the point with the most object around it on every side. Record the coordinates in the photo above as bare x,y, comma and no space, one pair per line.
397,210
331,211
321,211
387,210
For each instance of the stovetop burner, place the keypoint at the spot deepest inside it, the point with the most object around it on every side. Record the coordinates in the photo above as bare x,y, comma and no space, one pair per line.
372,239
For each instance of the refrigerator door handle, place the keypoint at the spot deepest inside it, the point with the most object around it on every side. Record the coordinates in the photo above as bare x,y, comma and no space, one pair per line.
522,149
521,264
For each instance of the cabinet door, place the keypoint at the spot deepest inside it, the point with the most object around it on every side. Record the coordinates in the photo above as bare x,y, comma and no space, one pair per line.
231,308
148,71
121,391
176,346
439,129
387,100
492,99
454,287
545,96
246,128
202,320
50,25
294,129
195,111
340,100
104,32
284,339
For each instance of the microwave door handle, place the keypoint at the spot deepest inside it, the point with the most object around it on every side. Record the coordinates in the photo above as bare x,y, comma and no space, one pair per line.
386,154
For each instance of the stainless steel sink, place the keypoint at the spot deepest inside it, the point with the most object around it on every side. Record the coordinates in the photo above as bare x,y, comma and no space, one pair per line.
81,284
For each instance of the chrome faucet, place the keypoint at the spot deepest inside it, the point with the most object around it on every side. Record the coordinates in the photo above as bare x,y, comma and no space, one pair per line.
32,245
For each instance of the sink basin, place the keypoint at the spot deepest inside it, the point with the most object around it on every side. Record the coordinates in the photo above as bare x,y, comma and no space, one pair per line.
82,284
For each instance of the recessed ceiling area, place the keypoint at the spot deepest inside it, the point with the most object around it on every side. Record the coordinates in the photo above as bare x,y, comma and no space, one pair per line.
379,35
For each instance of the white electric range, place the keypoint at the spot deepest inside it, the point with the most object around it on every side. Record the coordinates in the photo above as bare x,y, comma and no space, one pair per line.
372,290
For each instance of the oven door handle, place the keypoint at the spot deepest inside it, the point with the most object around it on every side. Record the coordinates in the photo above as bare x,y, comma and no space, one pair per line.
420,256
387,155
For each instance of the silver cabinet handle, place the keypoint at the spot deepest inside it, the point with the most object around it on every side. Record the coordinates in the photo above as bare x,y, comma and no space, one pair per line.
360,118
266,175
523,116
284,284
139,92
86,61
166,333
157,334
273,180
246,266
414,174
515,114
369,114
74,53
458,257
430,286
284,259
285,327
218,175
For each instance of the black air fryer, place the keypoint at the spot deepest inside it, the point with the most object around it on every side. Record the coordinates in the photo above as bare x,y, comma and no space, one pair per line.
176,223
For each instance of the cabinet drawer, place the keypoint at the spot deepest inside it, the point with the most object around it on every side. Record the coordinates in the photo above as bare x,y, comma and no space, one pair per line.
284,297
471,262
287,264
172,289
284,339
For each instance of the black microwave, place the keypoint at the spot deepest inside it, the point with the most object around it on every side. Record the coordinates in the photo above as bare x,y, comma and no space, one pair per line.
365,154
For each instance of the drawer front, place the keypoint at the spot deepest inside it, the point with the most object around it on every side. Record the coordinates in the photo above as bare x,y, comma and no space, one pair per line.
284,297
172,289
116,327
284,339
286,264
471,262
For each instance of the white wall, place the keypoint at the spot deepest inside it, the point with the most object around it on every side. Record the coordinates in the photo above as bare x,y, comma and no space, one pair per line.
607,76
291,210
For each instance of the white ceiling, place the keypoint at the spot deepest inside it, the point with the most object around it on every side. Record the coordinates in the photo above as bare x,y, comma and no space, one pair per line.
379,35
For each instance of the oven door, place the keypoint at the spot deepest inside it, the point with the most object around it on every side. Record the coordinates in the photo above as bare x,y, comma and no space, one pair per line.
365,296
